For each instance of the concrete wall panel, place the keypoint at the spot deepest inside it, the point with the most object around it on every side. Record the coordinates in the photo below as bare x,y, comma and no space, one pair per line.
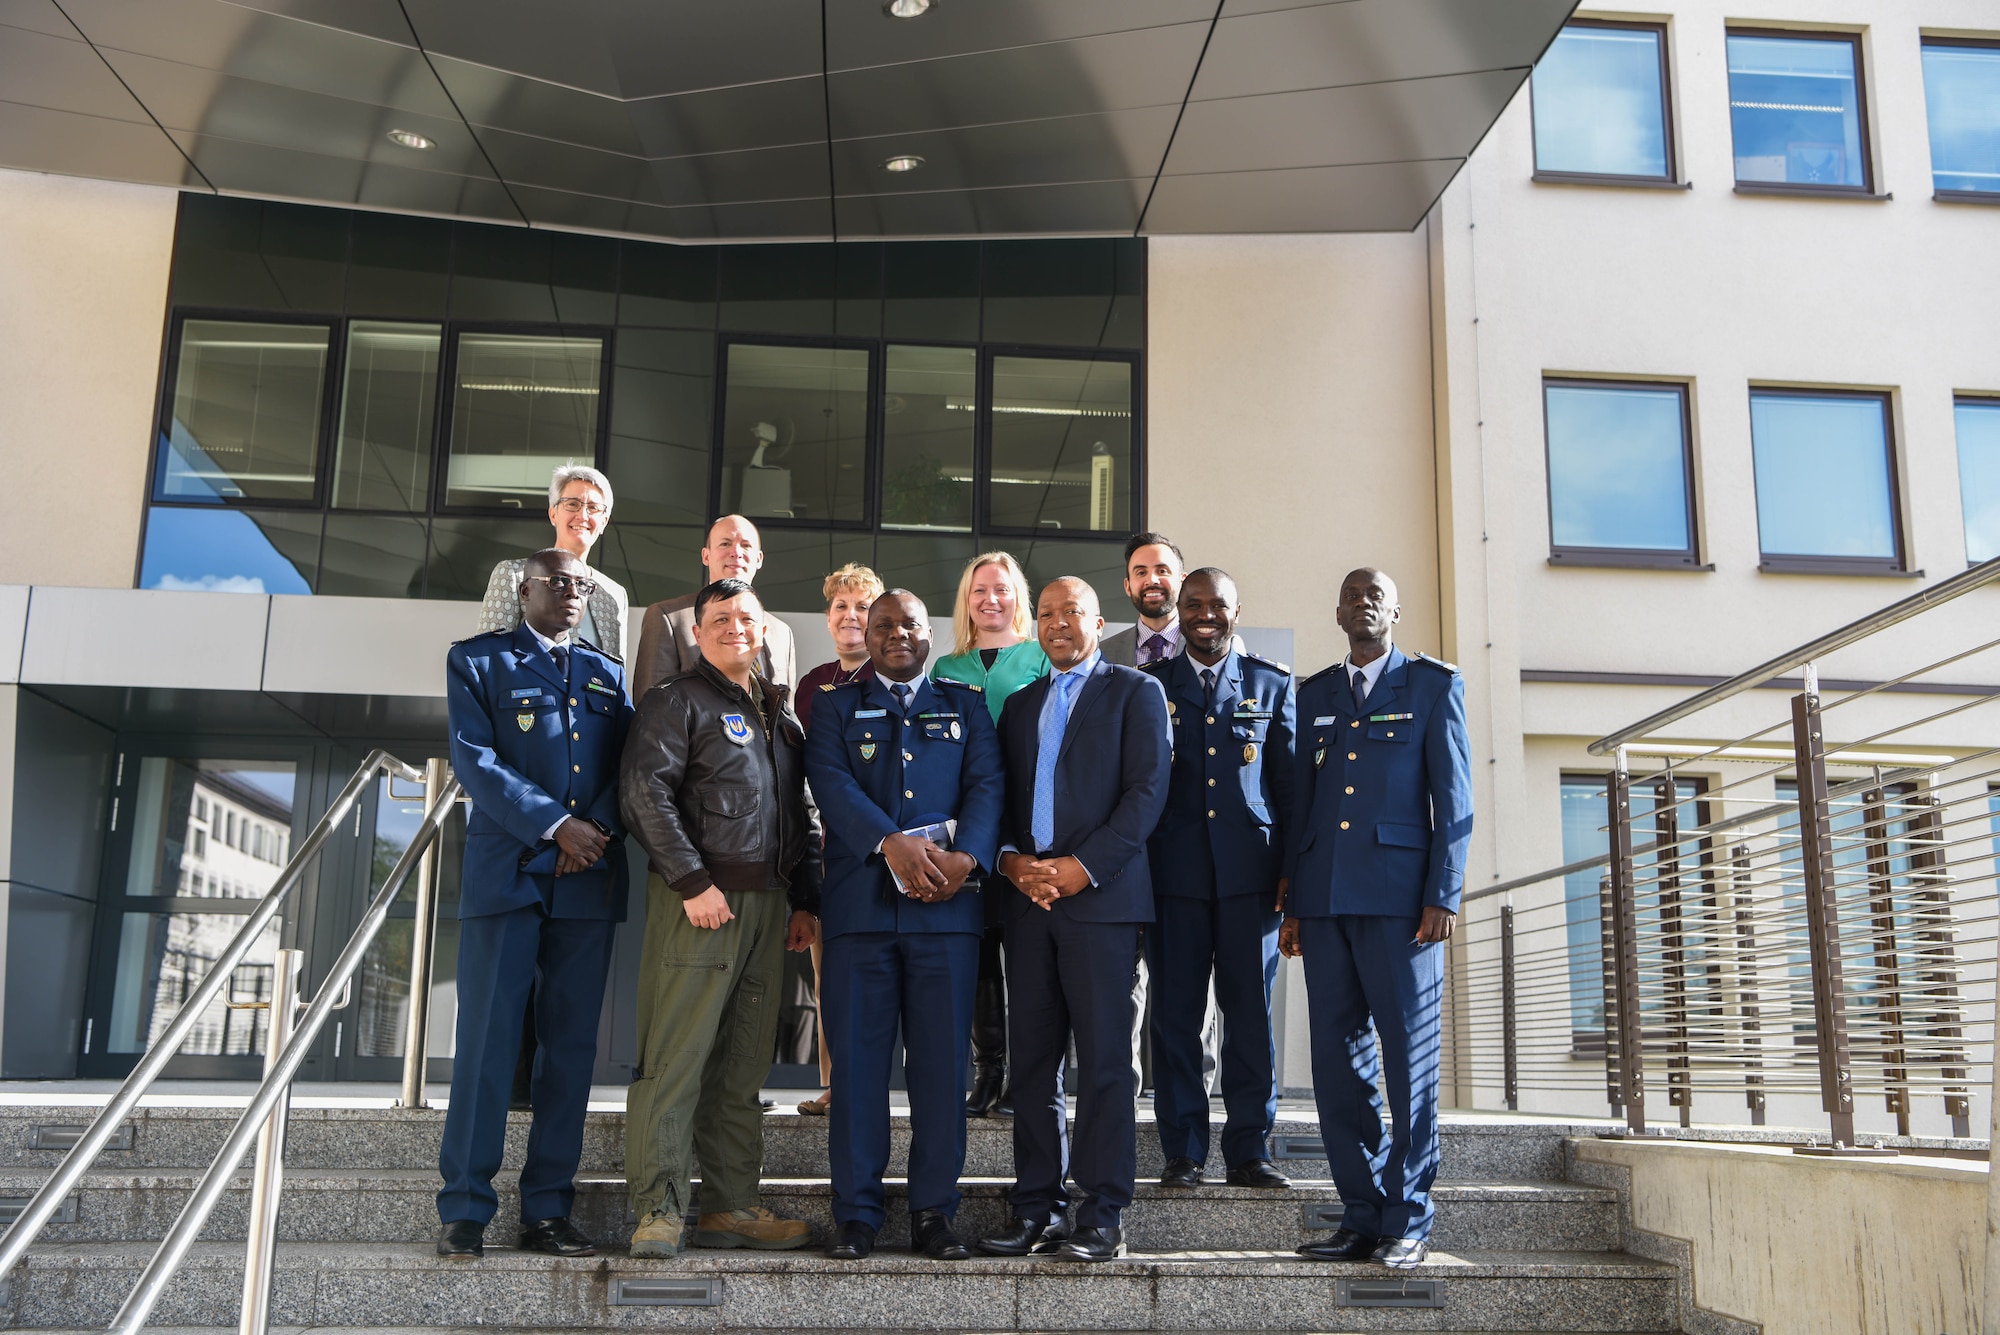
13,629
135,637
362,646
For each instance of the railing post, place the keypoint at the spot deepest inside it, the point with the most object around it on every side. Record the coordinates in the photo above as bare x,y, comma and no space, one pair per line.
1940,1018
1836,1075
1888,955
1607,958
1507,1006
1625,940
267,1178
423,935
1749,1003
1673,942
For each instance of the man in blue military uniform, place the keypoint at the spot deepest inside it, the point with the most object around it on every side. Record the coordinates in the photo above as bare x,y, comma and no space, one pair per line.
1216,858
887,756
1382,816
538,721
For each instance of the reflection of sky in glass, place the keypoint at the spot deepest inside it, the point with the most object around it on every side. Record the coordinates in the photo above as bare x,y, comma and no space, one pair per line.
1822,476
1962,96
215,550
1598,106
1979,477
1793,110
1617,473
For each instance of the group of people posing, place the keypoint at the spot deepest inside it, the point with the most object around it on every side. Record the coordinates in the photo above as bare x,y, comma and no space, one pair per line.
1044,843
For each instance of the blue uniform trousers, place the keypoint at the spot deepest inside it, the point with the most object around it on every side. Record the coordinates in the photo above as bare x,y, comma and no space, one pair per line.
1066,976
502,958
1237,938
871,981
1358,966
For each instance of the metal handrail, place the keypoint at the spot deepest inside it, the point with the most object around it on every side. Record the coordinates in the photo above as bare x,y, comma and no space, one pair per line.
45,1202
173,1249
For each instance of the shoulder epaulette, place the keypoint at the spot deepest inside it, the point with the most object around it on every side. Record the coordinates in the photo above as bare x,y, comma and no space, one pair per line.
1330,667
1436,663
836,685
962,685
1267,662
603,653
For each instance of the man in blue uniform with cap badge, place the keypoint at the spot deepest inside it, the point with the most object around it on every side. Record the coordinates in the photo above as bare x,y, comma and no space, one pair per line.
1216,856
908,778
1382,816
538,721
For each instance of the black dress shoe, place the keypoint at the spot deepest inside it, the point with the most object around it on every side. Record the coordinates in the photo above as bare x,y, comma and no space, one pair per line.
462,1240
852,1242
1181,1173
557,1237
1401,1253
1025,1236
1344,1245
1258,1173
1004,1107
1093,1244
987,1083
930,1234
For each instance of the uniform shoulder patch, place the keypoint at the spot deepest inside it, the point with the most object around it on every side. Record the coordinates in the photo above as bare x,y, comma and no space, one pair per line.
1330,667
602,653
1436,663
1267,662
836,685
485,635
961,685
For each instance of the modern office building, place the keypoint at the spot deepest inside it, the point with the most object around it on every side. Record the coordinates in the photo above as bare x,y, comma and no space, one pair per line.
1632,373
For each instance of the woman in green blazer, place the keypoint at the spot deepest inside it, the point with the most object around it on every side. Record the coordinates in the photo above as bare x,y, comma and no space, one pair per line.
994,649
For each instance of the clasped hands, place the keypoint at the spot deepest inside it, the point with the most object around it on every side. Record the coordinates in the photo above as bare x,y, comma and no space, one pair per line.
579,844
930,874
1044,880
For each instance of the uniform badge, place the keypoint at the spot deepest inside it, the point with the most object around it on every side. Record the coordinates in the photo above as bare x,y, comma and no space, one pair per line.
1249,753
1247,707
526,721
1319,757
736,729
954,730
868,750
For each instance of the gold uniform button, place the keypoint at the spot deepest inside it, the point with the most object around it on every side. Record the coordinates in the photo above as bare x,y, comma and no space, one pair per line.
1392,732
1211,719
578,769
576,737
1211,750
1211,783
908,756
906,723
1343,825
1355,724
1350,792
1352,756
572,701
572,801
907,793
1211,815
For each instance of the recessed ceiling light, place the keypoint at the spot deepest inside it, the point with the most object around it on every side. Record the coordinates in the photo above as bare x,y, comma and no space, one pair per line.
903,162
411,139
908,9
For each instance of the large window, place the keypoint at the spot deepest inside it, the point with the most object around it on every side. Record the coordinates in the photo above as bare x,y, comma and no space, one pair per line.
1978,422
1600,103
1796,111
1620,474
795,432
1062,445
1826,481
522,406
1962,96
244,419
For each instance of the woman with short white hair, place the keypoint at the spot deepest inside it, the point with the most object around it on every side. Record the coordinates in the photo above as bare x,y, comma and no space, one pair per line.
580,508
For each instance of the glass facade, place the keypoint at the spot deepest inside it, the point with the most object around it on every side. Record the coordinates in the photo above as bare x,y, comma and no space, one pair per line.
1826,487
1795,110
1962,99
371,405
1978,423
1600,102
1619,475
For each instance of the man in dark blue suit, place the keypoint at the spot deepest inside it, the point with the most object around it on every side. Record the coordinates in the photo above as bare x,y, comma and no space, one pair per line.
538,721
1087,754
1216,859
1382,816
885,756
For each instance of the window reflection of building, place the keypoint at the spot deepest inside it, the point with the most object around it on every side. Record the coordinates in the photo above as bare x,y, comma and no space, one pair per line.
238,838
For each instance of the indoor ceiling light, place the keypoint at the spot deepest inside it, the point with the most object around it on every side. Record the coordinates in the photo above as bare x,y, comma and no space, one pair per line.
411,139
903,162
908,9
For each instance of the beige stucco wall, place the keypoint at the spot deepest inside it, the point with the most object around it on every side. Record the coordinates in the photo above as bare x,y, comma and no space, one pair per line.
1807,1246
83,292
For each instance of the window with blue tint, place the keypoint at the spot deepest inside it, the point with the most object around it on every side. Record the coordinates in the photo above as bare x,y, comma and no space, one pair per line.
1619,476
230,550
1600,100
1826,490
1795,110
1978,422
1962,97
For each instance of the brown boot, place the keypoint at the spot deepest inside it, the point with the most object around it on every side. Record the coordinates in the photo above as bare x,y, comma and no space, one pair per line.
758,1228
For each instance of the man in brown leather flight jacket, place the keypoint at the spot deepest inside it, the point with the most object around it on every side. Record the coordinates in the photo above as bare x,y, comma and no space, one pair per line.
713,787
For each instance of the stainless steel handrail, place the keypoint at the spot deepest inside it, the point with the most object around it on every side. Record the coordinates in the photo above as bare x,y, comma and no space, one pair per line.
173,1249
44,1204
423,931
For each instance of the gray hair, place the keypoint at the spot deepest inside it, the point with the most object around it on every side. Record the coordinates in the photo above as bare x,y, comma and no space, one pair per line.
575,472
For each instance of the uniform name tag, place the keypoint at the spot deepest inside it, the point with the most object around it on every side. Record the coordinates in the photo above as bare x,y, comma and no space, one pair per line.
1323,720
871,713
529,696
1389,718
734,728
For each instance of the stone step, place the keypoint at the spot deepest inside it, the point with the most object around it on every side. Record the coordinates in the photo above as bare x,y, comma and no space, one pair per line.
1480,1148
399,1205
406,1285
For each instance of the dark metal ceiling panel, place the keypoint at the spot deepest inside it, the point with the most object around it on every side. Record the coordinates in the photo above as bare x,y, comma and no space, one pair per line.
793,219
1149,67
380,19
1117,146
1372,197
1368,41
860,34
38,139
62,74
290,173
1376,122
1088,208
712,178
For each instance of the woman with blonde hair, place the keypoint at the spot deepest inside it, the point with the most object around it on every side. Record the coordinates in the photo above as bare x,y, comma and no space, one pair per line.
994,649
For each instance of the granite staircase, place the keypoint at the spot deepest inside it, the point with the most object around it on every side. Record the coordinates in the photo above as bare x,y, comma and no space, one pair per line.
1517,1248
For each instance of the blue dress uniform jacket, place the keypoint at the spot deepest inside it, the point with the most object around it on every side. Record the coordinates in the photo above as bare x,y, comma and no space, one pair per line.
529,747
874,773
1383,796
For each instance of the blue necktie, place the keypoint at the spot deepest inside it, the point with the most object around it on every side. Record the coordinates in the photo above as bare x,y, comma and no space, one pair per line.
902,693
1055,718
560,652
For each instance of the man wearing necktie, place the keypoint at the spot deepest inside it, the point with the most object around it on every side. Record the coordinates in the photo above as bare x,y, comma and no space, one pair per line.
1375,863
1087,752
1153,567
538,722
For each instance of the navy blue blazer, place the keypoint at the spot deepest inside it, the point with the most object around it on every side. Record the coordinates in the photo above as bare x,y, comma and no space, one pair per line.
1383,795
873,772
530,747
1230,797
1111,786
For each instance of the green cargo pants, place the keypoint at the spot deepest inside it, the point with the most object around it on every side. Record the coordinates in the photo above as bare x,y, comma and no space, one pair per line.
708,1024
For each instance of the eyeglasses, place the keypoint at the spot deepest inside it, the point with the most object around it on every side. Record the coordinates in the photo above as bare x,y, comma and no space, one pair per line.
564,583
577,505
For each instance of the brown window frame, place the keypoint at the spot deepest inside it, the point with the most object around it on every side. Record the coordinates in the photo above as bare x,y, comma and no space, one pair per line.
1671,177
1866,190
